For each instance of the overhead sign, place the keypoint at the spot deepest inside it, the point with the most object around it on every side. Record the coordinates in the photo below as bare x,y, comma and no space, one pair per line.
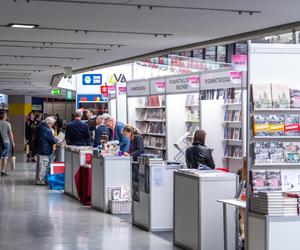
138,88
239,62
55,91
92,79
91,98
183,84
69,95
158,86
221,80
114,78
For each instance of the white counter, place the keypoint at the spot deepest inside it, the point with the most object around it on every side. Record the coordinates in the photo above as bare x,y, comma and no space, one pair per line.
108,171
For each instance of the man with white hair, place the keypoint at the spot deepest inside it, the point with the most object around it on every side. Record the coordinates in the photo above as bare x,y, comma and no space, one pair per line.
77,132
43,147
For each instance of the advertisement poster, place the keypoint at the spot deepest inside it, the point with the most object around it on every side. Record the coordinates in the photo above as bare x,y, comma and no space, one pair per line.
239,62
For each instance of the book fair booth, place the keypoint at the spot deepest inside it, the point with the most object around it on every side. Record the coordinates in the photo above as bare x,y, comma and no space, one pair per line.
250,111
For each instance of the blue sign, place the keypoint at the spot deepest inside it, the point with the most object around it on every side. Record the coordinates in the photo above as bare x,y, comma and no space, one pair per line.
92,79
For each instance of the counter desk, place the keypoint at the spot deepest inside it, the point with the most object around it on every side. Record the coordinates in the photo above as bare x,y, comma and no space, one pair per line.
153,197
107,172
198,217
74,158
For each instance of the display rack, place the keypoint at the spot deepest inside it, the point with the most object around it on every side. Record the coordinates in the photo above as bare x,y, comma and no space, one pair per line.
192,114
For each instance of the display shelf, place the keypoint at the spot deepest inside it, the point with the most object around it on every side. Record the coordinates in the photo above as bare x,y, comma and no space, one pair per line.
233,158
275,138
233,124
154,134
288,110
149,120
233,142
156,148
192,106
276,165
192,121
151,107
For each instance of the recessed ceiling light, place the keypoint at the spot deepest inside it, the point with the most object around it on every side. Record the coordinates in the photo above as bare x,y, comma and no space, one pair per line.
23,25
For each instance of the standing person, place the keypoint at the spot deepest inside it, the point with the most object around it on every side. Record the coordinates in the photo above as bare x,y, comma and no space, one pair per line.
101,132
199,156
44,142
91,122
77,132
30,129
116,133
136,147
8,139
58,123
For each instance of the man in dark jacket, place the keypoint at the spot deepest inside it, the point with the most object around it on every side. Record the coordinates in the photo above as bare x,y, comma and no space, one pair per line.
199,156
43,146
101,132
77,132
116,129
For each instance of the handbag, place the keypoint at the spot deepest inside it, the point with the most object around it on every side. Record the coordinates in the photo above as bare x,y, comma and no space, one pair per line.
13,160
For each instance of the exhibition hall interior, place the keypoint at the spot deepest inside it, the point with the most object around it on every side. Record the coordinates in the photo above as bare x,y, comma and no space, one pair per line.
149,124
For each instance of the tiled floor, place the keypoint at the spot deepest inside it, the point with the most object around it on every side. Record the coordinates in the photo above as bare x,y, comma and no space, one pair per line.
33,217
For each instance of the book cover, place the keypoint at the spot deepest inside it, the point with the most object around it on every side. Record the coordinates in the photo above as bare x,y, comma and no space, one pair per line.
291,125
276,125
280,95
261,125
291,152
261,96
290,180
258,180
274,180
295,98
276,152
261,152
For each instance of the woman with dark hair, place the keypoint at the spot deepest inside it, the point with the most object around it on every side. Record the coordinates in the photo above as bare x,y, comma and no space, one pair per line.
199,156
30,128
136,147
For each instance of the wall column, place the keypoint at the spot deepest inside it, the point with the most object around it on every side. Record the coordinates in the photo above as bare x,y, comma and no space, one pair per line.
19,107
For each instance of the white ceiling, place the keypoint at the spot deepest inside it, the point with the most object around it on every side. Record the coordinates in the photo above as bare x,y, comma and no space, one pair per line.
186,27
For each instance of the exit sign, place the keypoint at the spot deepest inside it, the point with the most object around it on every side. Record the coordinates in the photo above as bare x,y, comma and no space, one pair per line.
55,91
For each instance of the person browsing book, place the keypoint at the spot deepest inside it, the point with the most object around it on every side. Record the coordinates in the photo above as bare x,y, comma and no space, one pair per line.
116,134
199,156
136,147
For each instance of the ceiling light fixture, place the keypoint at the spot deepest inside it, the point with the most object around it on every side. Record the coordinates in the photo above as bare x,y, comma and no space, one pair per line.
23,25
44,57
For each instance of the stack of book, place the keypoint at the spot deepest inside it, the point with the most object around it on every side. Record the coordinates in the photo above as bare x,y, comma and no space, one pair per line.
151,159
296,196
273,204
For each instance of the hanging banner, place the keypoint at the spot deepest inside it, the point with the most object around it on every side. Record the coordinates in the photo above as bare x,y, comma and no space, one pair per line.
183,84
221,80
158,86
239,62
138,88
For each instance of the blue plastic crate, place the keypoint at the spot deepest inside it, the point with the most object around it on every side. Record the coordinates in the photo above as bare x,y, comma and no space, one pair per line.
56,181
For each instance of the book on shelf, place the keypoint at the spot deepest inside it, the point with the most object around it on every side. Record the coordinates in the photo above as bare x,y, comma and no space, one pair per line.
157,142
261,125
232,133
233,96
153,114
232,115
295,98
192,115
276,125
291,125
291,152
213,94
151,101
192,100
233,151
261,96
152,127
280,96
273,180
258,180
290,180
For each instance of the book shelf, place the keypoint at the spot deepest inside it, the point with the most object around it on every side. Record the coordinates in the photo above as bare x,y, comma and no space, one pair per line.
192,110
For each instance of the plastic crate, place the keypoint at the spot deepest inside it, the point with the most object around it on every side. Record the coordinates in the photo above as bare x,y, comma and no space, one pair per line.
56,181
120,206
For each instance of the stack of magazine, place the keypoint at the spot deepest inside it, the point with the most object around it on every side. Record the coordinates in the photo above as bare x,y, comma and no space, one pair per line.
273,204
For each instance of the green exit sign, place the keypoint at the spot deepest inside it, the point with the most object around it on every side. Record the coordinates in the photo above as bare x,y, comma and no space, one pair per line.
55,91
69,95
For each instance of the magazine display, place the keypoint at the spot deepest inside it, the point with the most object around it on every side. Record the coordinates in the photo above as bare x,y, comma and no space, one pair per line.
295,98
291,125
280,96
261,125
262,98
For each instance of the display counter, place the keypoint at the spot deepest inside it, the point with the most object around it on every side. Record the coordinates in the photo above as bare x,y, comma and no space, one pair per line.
74,158
108,172
273,232
198,217
60,153
153,199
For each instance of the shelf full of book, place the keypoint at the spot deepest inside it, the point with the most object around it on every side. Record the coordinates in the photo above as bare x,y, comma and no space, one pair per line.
275,146
192,110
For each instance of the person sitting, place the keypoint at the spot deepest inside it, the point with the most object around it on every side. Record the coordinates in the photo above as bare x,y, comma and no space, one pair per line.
77,132
116,133
101,132
136,147
198,155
